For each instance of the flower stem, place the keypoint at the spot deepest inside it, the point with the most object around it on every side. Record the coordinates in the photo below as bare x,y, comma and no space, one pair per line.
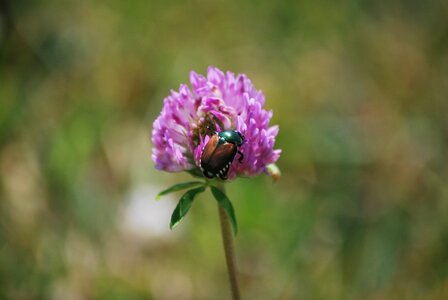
229,249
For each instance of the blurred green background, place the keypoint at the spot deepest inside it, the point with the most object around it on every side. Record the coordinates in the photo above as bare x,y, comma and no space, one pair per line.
359,89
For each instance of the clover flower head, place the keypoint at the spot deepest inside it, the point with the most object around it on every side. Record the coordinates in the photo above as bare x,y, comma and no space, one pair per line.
220,101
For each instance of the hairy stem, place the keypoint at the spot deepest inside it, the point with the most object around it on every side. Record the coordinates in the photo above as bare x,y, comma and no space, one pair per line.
229,249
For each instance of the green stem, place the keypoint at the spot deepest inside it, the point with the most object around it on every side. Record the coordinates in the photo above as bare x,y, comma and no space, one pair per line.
229,249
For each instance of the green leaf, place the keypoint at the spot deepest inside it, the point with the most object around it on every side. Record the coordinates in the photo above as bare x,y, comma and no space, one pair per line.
184,205
225,203
179,187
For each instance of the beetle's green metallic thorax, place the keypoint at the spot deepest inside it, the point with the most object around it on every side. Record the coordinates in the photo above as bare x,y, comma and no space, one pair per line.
231,136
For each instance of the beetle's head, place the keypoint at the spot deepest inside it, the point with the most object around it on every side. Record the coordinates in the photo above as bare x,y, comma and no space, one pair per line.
242,138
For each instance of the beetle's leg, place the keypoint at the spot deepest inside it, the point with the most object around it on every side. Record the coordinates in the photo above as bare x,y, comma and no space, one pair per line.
241,157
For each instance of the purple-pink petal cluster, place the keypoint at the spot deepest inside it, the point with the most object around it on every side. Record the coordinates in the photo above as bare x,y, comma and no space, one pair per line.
222,101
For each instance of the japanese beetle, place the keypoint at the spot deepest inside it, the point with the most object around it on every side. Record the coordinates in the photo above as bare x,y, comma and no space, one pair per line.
219,152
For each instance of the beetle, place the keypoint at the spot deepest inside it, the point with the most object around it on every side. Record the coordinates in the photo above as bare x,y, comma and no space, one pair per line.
218,154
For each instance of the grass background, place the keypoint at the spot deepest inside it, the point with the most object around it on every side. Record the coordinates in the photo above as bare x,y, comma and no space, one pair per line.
359,89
